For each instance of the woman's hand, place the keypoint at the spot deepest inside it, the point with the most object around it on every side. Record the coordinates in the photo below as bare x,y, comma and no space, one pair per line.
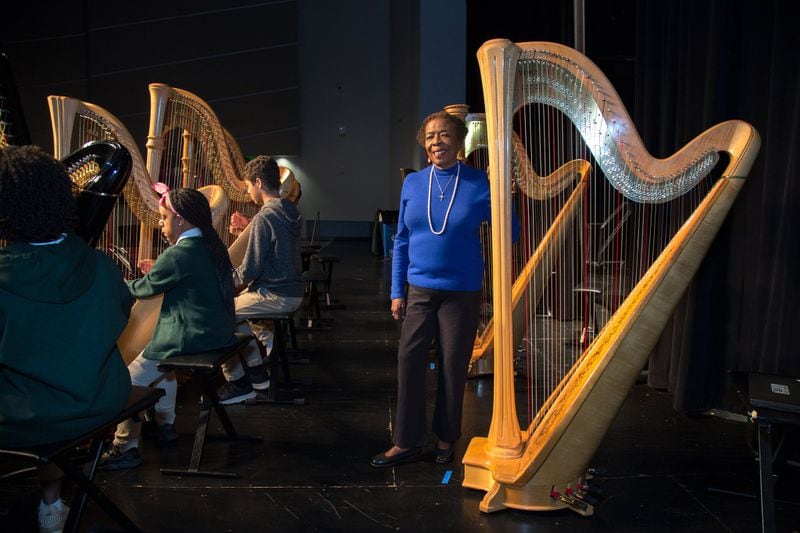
238,223
398,308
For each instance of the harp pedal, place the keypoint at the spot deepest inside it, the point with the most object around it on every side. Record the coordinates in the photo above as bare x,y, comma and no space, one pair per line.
573,500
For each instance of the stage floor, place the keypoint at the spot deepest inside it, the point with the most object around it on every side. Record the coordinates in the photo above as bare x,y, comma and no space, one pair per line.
658,470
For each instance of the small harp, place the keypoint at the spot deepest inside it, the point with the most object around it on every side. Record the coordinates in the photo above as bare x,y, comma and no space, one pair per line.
188,145
619,248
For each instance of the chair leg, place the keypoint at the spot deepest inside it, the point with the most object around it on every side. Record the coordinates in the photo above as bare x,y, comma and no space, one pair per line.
280,345
292,333
330,303
766,480
210,401
313,303
278,361
84,479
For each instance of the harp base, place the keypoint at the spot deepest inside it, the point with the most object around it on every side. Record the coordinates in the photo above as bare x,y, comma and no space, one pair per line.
534,495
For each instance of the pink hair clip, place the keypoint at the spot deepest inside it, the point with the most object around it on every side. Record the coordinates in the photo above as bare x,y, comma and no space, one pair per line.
163,190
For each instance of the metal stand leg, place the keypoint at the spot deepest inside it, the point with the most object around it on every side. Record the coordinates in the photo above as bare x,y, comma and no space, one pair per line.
767,482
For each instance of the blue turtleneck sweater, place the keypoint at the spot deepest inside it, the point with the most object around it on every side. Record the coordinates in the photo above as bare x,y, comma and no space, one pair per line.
451,261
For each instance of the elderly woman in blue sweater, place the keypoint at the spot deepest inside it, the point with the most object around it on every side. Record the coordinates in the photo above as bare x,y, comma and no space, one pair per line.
437,270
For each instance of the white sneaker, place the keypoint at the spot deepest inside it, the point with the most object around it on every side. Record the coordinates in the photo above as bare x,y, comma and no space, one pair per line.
53,517
264,385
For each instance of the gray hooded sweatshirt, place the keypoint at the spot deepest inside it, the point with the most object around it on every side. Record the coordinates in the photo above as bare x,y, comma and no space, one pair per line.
272,259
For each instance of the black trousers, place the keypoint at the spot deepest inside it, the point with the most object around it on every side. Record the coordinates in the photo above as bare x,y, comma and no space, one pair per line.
451,317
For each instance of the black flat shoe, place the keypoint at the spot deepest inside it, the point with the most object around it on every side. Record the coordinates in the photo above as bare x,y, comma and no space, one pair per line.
409,456
443,457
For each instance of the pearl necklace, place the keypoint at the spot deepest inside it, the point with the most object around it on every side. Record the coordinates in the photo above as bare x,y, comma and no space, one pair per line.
452,198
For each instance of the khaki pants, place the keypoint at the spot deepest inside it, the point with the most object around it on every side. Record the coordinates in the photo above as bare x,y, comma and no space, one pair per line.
253,304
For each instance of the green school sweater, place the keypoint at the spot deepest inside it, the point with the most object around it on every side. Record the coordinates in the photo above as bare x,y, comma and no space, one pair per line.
193,316
62,307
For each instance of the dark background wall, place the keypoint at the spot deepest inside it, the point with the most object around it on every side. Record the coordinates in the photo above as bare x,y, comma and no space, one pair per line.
108,52
336,88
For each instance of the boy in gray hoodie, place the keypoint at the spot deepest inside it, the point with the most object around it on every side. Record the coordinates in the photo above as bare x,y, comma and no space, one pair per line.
269,276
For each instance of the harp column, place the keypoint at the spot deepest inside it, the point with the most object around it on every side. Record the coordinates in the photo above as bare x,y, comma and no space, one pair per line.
62,116
504,439
187,156
155,149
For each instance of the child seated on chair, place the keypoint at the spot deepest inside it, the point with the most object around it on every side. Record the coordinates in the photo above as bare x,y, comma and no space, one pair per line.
194,275
270,274
62,307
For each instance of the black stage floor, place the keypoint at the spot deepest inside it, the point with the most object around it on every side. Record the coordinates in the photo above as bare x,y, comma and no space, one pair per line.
658,470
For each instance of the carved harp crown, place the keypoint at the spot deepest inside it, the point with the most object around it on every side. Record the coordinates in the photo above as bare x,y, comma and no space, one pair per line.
605,260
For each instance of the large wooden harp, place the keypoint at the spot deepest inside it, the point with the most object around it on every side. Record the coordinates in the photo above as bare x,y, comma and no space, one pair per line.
608,280
131,233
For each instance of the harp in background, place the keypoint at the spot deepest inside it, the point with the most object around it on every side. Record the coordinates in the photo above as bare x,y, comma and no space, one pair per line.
621,247
188,147
132,230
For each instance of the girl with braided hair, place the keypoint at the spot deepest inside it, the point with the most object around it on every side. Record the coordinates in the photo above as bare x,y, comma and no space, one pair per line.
194,316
